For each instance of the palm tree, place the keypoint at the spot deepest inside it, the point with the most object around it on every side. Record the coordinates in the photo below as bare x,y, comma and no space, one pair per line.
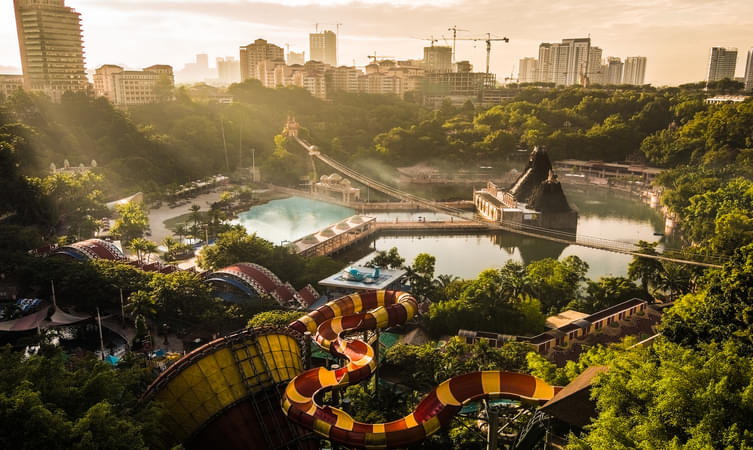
149,249
180,230
444,280
139,245
140,303
195,215
675,279
169,244
648,270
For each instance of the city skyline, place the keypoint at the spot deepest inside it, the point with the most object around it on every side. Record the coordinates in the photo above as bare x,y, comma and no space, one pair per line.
140,34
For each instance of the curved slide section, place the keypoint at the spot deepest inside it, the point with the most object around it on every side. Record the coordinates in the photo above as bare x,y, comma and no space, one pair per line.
384,309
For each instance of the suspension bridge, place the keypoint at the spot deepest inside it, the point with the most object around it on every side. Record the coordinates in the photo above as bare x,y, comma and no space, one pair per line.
563,237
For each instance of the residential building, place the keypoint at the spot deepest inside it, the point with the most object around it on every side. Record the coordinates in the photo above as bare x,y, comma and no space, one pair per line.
9,84
133,87
577,59
634,71
544,71
380,83
748,79
722,63
594,73
345,79
323,47
228,70
527,70
253,54
52,55
614,71
270,72
438,59
296,58
553,63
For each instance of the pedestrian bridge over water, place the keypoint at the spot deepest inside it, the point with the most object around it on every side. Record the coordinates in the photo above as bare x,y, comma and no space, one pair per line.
564,237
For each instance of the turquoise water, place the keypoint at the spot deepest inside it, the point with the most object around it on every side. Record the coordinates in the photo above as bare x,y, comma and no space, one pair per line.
291,218
602,214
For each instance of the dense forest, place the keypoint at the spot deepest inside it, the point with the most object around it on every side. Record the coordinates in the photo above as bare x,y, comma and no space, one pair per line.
691,389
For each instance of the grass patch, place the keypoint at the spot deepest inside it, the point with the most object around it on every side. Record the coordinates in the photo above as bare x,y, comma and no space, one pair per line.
186,219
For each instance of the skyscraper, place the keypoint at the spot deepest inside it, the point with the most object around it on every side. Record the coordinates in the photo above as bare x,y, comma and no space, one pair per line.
749,71
578,54
722,63
52,55
593,71
527,70
438,59
323,47
614,71
635,70
253,54
228,70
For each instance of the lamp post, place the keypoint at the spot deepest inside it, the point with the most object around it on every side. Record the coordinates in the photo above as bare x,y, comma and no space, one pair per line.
253,164
122,309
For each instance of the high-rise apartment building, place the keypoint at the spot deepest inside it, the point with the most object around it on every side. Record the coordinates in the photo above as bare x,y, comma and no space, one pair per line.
255,53
323,47
722,63
296,58
134,87
749,71
438,59
228,70
527,70
593,69
52,55
614,71
577,59
635,70
565,63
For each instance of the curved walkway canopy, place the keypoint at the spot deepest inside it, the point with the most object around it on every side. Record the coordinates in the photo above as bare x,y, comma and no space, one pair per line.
91,249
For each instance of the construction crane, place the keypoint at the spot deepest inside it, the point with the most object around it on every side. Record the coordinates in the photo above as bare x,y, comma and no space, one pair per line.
337,25
431,39
337,36
454,30
374,57
488,39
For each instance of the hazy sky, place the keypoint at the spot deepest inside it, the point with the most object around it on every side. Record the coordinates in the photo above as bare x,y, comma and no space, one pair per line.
675,35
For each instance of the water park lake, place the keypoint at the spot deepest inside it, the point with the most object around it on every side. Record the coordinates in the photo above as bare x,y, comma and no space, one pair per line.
603,213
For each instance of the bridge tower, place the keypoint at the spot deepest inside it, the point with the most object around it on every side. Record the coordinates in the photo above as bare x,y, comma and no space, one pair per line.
291,127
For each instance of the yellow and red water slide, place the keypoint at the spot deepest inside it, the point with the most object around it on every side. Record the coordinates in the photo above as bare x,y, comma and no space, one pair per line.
368,311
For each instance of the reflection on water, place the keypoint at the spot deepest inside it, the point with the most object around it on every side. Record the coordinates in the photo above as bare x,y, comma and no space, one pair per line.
603,214
291,218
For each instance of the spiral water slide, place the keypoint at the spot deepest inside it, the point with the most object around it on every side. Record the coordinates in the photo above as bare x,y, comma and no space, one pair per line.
369,311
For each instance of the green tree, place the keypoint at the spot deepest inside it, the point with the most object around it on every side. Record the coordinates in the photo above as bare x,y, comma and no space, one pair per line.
606,292
131,223
388,259
235,246
421,275
556,283
673,397
102,428
275,318
648,270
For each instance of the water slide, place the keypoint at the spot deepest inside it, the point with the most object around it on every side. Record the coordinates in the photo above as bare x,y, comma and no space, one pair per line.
369,311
